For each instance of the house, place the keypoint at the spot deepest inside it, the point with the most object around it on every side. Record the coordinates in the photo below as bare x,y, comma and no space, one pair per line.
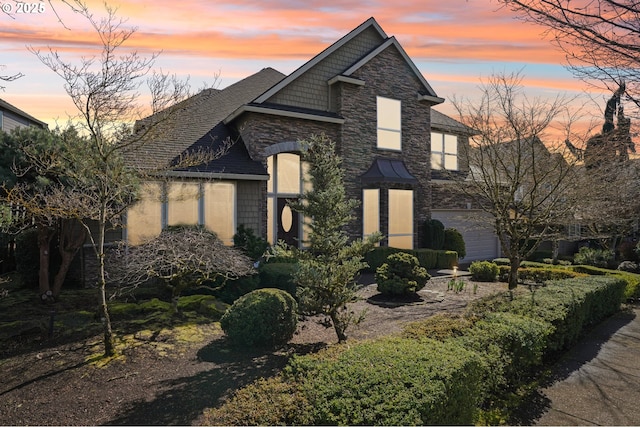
364,92
450,205
12,117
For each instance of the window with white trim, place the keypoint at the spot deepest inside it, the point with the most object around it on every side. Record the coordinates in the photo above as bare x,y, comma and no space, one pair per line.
444,151
389,123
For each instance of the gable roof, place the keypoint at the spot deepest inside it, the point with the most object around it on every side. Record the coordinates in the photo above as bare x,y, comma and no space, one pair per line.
4,105
369,25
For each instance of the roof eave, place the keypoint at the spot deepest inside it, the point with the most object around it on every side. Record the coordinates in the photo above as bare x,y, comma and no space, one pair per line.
283,113
371,22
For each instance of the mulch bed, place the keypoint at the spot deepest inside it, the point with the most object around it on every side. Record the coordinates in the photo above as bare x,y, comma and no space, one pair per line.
59,386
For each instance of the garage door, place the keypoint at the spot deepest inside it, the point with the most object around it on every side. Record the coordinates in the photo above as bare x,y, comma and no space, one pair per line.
477,230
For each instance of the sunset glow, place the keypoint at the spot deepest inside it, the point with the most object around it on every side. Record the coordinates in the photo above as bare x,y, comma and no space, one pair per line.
454,44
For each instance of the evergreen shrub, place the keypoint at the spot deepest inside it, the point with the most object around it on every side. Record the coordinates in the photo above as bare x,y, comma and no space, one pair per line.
250,244
278,276
261,318
401,275
538,274
453,241
483,271
595,257
433,234
390,381
512,346
440,326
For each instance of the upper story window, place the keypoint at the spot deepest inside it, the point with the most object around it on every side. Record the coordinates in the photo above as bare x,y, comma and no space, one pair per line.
389,123
444,151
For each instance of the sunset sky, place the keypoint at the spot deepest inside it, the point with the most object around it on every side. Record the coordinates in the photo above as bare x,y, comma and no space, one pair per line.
453,43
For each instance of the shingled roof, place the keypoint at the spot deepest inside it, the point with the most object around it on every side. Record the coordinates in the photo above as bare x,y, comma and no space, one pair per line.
197,123
443,122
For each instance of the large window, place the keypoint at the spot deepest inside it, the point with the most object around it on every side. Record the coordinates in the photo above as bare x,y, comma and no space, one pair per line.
182,203
401,219
389,123
211,204
370,211
444,151
144,219
219,205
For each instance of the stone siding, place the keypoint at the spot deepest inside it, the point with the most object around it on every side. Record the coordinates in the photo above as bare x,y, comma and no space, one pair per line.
390,76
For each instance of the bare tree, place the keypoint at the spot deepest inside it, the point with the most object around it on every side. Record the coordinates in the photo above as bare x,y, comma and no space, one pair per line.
180,256
514,173
106,92
601,38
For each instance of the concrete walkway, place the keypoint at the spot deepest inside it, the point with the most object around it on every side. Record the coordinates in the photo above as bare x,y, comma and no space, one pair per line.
598,381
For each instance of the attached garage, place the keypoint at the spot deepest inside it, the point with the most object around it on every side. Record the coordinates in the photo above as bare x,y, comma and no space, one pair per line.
477,230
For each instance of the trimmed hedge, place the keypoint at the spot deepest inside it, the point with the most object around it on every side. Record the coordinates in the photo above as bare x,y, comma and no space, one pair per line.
569,305
539,274
512,346
632,290
428,258
440,326
389,381
417,380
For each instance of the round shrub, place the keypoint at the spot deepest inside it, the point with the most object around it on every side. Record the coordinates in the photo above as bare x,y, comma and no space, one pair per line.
483,271
453,241
261,318
401,275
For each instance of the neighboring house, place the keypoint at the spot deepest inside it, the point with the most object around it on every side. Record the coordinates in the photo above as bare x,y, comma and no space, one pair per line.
363,92
12,117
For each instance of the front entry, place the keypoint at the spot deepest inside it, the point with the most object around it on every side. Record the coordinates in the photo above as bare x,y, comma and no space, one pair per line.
288,222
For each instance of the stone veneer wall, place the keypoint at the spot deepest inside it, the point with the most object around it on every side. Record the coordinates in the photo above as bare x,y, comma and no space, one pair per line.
260,131
385,75
390,76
